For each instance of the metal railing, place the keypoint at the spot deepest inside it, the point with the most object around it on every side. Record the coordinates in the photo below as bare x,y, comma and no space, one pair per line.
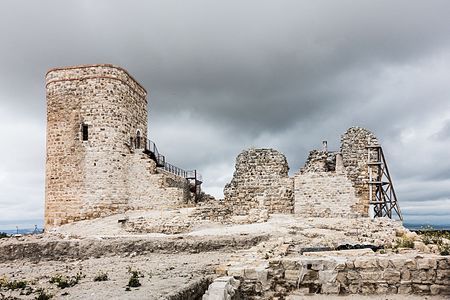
159,158
150,148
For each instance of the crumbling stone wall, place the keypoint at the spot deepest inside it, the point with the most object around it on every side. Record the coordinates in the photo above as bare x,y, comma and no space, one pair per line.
97,177
334,273
153,188
354,153
322,188
260,181
333,184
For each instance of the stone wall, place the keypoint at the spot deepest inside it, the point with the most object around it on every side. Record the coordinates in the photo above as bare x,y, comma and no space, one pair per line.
153,188
324,194
102,175
322,188
336,273
260,181
334,184
354,153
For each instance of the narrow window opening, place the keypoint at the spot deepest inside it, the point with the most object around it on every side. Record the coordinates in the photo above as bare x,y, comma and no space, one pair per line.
138,140
85,132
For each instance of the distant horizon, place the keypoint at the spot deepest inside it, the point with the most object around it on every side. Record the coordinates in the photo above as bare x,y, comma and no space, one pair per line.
29,225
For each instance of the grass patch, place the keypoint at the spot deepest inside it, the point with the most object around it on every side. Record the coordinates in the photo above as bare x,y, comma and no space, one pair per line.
405,242
134,279
430,236
12,285
101,276
63,282
42,294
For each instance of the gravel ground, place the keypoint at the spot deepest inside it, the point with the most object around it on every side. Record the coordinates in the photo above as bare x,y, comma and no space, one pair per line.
163,274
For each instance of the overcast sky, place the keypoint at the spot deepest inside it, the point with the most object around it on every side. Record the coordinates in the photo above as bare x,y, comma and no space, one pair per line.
224,76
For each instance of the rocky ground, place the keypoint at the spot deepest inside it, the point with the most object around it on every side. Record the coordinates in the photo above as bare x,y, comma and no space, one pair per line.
162,274
171,266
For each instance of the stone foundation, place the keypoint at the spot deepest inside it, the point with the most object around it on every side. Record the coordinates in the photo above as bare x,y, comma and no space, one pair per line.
335,273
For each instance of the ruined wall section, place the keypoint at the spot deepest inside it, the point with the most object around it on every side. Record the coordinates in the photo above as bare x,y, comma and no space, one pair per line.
322,188
260,181
354,154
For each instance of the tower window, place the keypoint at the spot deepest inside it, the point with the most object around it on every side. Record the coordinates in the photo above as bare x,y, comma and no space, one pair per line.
138,140
85,132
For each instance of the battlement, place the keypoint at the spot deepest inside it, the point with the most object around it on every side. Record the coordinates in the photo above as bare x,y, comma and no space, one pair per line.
99,71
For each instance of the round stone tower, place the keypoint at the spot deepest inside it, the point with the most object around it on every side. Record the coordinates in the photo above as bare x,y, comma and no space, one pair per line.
94,115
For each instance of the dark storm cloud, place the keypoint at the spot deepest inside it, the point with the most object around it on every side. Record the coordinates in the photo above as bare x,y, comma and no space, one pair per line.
228,75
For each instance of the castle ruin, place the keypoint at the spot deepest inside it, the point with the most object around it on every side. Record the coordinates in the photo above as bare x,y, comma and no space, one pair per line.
115,205
99,159
100,162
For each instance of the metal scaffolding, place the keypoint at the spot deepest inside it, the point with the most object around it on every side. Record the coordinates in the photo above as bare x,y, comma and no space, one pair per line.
381,190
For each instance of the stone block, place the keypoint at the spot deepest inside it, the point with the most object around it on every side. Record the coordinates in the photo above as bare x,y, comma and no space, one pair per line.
250,273
406,275
405,288
368,288
443,264
439,289
366,263
443,277
382,288
397,262
221,270
370,276
327,276
292,275
353,275
261,274
330,288
310,276
354,288
391,276
383,262
426,263
236,271
421,288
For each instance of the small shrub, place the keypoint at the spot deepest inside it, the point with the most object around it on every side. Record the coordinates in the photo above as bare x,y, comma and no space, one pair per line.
42,295
3,235
63,281
102,276
3,281
16,284
134,279
405,242
134,282
12,285
444,249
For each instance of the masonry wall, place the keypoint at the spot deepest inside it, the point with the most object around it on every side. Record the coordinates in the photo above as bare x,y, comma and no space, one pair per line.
97,177
333,273
354,153
324,194
152,188
322,188
260,181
